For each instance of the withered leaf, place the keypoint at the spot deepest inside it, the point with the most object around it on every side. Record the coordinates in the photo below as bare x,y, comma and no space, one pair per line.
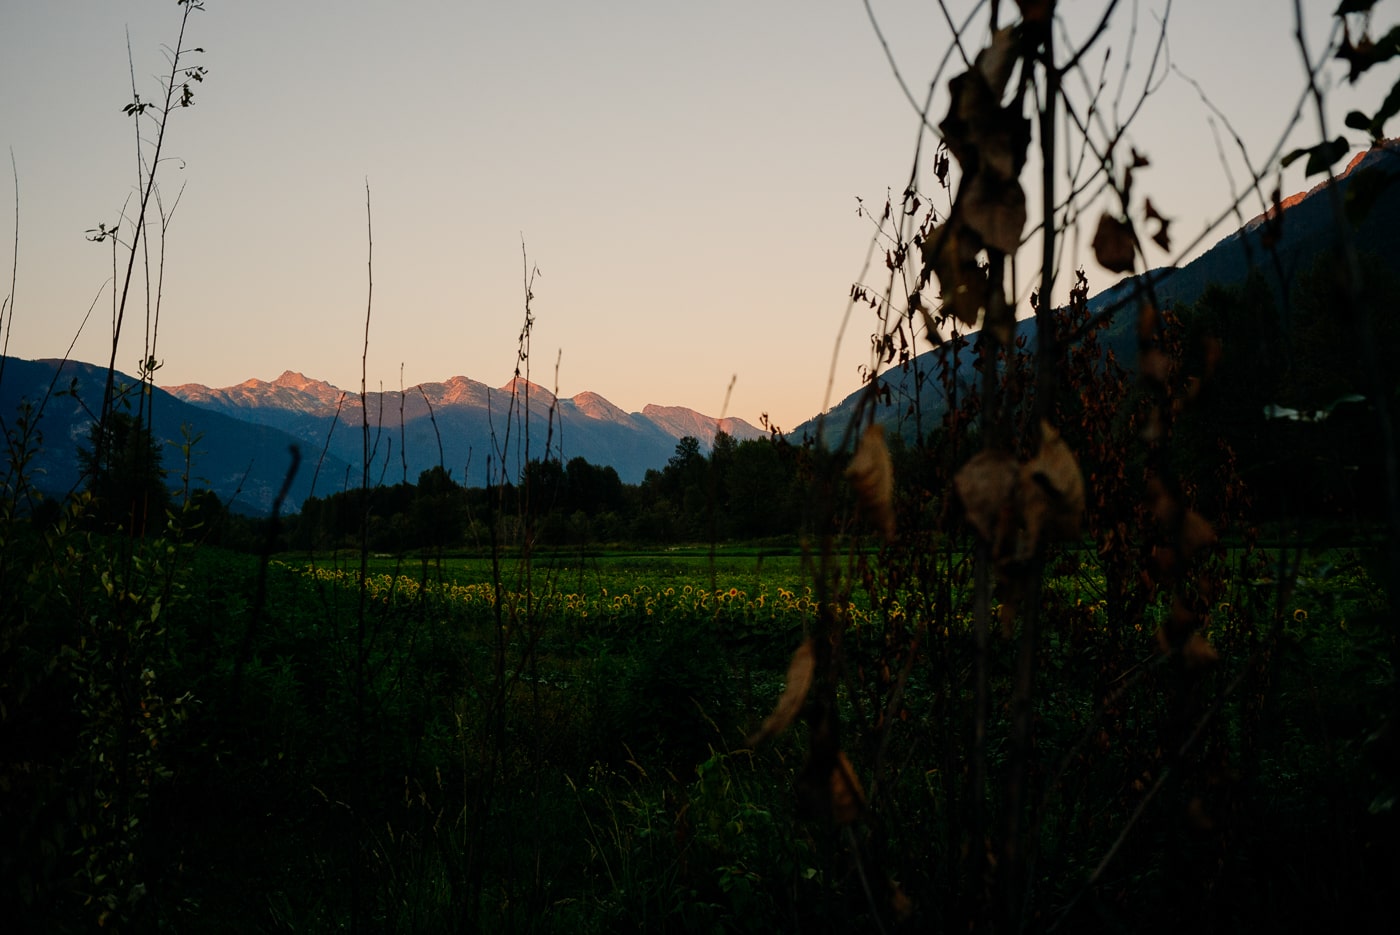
1160,237
1162,502
995,62
1196,533
900,904
1198,653
995,207
986,485
847,796
1366,52
950,251
1155,366
872,475
1198,816
1113,245
799,682
1148,319
1050,494
1036,11
978,131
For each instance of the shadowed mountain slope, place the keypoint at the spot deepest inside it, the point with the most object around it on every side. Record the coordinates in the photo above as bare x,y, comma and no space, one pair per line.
1368,196
243,463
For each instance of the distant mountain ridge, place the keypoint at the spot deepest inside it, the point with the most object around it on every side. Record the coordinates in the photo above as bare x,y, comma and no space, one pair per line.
244,432
463,416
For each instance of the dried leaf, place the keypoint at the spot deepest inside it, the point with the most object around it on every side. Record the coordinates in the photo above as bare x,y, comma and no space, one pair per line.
995,208
900,904
1163,504
986,485
1198,653
980,133
1160,236
1006,616
1036,11
994,63
872,475
1196,533
1147,323
1113,245
950,252
1366,52
1155,366
799,682
1050,494
847,796
1198,816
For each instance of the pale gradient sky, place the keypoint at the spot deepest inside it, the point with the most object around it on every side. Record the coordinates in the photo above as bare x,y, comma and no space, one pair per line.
684,175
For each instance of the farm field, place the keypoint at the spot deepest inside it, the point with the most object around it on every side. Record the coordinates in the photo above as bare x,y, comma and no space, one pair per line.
573,757
632,679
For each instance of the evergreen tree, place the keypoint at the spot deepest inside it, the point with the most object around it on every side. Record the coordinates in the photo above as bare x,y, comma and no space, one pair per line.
128,486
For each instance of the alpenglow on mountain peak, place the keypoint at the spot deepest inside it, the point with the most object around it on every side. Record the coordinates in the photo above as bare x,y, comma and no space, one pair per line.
466,421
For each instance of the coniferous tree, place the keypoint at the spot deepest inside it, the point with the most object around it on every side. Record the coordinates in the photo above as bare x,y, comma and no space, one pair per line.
128,484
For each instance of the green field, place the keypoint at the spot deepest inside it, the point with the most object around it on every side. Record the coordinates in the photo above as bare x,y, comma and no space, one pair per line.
557,742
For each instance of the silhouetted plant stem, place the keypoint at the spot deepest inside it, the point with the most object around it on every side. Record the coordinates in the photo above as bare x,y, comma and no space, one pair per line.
1014,847
269,545
146,189
7,306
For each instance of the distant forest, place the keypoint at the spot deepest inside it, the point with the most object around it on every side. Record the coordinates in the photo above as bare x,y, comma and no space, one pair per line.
740,490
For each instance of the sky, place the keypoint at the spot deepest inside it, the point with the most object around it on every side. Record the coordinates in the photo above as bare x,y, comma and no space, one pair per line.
683,176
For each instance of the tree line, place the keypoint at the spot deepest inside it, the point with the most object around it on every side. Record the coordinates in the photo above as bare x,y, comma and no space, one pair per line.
738,490
1281,391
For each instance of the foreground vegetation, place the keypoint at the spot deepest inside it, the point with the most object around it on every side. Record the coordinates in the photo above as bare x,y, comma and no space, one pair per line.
1033,666
430,752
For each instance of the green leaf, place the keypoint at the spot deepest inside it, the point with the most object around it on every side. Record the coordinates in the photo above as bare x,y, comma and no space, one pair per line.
1358,121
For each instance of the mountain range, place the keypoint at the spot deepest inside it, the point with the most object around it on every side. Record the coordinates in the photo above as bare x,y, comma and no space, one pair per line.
243,432
462,423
